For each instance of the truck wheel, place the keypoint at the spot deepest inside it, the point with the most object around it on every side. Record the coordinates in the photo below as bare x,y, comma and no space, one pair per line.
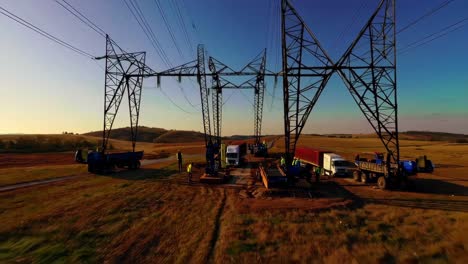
137,164
90,168
382,182
364,178
357,175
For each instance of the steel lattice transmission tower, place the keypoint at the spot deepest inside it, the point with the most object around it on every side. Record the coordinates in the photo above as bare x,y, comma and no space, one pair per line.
221,75
306,71
368,69
201,77
119,65
216,97
259,92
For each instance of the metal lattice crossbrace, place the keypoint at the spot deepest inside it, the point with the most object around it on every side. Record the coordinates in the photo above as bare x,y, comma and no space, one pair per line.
368,69
306,71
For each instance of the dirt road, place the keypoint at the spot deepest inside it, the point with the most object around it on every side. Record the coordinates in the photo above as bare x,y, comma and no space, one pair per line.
36,183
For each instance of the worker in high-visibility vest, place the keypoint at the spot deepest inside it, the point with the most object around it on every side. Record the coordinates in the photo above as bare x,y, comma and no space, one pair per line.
189,172
318,171
294,162
283,162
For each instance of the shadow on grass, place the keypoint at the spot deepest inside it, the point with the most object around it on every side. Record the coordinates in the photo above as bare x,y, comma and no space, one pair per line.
313,190
432,186
144,174
437,204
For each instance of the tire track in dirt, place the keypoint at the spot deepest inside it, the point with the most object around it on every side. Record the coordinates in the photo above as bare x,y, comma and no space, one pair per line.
217,225
16,186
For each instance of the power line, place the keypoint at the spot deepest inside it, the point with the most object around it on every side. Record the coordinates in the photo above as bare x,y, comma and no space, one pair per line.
181,21
168,26
147,31
428,14
348,27
436,35
229,97
150,30
269,26
25,23
82,18
176,105
194,26
139,16
278,26
246,97
87,21
168,61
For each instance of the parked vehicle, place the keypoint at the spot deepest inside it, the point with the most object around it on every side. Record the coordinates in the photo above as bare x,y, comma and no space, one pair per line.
235,154
330,163
335,165
374,166
424,165
99,162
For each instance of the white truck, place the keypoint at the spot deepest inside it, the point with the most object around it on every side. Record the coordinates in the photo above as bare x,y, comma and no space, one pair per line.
235,154
335,165
330,163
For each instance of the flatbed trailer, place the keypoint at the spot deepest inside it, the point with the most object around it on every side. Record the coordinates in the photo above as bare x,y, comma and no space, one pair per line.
99,162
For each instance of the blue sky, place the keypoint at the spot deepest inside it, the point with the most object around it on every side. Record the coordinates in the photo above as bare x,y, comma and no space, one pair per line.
49,89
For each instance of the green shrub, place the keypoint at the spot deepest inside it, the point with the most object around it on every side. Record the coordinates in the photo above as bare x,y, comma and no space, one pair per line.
43,143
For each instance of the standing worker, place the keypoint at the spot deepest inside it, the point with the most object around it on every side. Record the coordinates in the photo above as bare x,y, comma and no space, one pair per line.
189,172
179,159
283,162
318,170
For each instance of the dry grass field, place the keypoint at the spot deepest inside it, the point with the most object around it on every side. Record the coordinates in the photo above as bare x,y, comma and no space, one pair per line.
153,215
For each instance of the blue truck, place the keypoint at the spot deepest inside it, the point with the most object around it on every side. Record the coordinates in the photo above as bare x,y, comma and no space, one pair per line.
99,162
371,167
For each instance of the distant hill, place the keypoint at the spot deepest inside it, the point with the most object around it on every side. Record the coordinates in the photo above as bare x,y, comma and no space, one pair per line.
161,135
177,136
425,136
153,135
434,136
